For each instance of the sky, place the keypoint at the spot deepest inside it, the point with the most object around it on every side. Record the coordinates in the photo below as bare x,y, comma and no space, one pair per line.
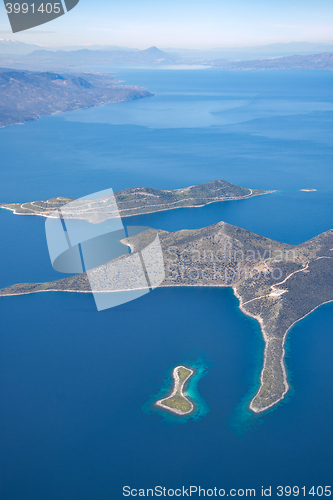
197,24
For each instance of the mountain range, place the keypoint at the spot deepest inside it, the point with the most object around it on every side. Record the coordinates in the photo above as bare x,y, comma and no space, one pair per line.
60,60
230,53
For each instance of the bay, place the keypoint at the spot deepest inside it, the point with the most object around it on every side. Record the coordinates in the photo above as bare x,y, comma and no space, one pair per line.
73,381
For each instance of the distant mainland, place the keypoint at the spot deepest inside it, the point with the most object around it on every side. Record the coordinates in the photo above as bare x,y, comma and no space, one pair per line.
28,95
42,82
285,57
276,283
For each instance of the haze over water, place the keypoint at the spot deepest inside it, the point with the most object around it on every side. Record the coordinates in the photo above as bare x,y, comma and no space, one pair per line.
73,381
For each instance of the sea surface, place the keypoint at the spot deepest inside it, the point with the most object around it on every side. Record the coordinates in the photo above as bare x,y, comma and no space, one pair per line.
74,381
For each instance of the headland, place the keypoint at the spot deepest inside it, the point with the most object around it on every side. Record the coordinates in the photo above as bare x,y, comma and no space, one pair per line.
28,95
276,283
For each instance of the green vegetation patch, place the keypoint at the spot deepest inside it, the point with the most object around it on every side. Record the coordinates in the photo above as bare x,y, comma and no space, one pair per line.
178,402
183,373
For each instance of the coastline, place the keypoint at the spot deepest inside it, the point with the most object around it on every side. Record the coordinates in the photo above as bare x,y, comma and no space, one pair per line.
200,407
145,213
241,308
266,340
102,291
282,358
260,298
244,311
134,92
176,388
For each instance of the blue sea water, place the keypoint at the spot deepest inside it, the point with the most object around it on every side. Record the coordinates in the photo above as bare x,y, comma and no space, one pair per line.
73,381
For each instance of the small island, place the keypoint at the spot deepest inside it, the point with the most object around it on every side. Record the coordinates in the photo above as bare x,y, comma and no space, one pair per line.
276,283
177,402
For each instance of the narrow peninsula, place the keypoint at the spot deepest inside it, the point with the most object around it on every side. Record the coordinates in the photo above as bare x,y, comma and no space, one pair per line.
276,283
177,402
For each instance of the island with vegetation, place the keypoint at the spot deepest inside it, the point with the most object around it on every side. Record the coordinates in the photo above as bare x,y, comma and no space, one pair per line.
143,200
277,284
177,402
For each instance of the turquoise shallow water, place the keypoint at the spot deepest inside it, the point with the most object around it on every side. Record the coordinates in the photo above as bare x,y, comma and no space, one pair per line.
73,381
191,390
